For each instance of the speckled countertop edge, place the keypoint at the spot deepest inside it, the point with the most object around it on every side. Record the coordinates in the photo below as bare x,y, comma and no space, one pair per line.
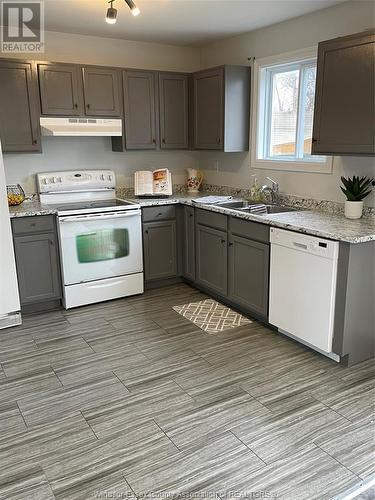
331,226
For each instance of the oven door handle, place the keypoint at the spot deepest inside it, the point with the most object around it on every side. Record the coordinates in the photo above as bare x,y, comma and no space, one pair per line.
82,218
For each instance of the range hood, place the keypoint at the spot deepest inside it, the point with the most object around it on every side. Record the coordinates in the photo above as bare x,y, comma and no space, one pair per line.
91,127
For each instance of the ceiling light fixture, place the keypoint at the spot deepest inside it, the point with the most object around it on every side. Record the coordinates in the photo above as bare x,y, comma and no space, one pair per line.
111,16
134,9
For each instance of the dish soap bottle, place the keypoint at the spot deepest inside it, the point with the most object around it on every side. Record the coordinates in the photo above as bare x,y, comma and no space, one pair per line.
255,191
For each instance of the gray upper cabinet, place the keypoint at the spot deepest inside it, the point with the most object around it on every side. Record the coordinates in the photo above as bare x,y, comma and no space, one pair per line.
101,91
345,96
160,250
248,263
37,259
60,89
19,113
211,258
221,108
174,110
140,109
189,243
208,109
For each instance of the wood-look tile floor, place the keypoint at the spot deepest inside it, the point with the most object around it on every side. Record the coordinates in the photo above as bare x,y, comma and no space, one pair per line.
128,399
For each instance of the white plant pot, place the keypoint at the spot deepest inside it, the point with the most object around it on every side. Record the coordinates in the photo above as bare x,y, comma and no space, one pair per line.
353,209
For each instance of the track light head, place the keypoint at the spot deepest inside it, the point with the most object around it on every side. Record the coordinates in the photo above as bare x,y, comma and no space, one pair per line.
111,16
133,8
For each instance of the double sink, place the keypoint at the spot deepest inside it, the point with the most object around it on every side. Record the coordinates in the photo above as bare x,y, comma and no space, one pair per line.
254,208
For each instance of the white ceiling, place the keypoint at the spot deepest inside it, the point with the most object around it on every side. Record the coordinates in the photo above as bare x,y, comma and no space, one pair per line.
180,22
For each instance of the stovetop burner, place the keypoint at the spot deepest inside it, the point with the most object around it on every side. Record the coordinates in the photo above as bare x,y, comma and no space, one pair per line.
92,205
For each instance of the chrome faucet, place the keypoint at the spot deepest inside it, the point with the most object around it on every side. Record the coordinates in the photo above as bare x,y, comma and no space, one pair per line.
273,190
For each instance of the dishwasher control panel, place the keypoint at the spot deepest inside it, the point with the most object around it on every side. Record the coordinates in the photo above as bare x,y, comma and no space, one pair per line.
305,243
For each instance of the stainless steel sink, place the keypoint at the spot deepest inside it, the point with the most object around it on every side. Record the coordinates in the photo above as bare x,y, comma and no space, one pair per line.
234,205
255,208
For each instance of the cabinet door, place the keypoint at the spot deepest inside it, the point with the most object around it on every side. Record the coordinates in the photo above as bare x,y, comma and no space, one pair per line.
37,267
209,109
344,104
140,109
101,91
211,258
248,274
60,89
174,111
189,243
19,109
160,253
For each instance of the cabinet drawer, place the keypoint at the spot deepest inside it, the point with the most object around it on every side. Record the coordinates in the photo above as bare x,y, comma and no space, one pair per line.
249,229
34,224
211,219
162,212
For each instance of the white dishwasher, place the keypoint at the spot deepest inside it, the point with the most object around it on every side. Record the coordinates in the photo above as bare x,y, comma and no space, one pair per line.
303,273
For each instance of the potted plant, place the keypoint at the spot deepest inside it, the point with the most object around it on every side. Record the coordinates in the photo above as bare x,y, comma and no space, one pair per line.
355,189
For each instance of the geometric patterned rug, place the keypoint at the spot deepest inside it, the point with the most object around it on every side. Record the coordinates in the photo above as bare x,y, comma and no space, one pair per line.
211,316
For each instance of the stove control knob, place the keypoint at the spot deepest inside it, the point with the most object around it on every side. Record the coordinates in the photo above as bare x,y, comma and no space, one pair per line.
110,177
44,180
102,177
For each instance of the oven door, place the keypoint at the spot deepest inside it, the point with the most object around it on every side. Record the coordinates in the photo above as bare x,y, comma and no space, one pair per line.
97,246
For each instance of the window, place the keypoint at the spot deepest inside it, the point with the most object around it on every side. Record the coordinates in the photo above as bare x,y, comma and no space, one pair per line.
288,111
285,95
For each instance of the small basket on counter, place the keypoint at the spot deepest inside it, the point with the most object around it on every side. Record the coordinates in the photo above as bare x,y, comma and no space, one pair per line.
15,195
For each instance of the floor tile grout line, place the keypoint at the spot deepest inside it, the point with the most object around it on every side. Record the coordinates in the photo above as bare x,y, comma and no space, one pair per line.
337,412
330,408
166,435
22,415
248,447
88,423
336,459
58,378
183,390
130,487
121,381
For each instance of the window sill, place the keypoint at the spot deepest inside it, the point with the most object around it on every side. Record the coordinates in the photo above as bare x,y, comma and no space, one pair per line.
295,166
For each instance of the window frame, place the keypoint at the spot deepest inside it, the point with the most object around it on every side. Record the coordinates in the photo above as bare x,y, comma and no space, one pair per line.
262,69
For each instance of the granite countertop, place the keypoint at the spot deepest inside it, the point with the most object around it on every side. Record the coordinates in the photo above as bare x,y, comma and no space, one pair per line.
317,223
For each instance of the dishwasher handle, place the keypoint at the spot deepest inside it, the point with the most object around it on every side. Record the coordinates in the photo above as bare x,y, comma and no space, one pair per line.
300,245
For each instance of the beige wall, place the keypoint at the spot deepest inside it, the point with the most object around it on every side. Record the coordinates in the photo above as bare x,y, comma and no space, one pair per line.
73,153
302,32
83,49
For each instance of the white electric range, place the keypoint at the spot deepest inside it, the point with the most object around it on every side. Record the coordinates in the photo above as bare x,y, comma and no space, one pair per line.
100,236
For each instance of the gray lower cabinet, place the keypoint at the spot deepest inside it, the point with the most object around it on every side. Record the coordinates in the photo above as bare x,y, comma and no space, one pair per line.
19,113
211,258
160,250
248,266
189,243
37,259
